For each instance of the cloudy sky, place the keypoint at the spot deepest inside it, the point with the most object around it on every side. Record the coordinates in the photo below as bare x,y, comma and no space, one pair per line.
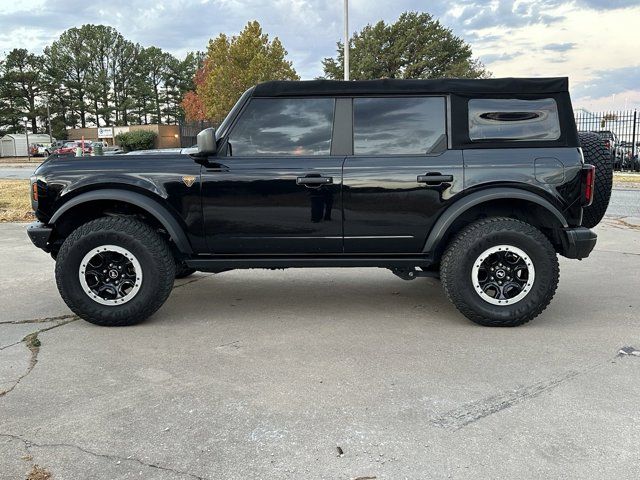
594,42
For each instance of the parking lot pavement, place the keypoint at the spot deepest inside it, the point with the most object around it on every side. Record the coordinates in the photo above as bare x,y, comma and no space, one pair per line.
17,170
624,202
264,374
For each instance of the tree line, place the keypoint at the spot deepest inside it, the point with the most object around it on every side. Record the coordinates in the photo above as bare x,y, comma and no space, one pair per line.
417,45
92,76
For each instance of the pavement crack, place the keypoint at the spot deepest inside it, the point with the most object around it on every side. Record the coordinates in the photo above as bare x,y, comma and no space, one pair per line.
32,342
116,458
38,320
468,413
10,345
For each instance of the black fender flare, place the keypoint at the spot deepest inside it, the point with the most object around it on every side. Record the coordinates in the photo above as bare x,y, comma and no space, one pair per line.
153,207
449,216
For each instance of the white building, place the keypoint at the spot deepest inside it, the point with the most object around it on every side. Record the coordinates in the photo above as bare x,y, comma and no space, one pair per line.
15,144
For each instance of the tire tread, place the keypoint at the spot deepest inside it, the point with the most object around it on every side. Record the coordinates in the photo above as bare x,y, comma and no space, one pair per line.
596,154
153,242
463,242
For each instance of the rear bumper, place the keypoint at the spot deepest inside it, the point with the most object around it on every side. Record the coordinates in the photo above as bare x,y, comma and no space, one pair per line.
578,242
39,233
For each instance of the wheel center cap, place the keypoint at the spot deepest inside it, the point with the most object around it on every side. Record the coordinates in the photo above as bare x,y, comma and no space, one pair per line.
113,274
500,274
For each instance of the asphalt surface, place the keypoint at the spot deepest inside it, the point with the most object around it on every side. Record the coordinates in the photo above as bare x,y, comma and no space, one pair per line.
14,172
264,374
625,202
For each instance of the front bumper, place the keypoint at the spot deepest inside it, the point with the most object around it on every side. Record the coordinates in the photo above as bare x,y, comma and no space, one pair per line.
39,233
578,242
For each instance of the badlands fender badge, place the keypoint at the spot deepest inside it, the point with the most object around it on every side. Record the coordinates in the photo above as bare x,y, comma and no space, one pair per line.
188,180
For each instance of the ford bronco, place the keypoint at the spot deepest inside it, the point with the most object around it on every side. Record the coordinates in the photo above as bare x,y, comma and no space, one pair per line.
480,183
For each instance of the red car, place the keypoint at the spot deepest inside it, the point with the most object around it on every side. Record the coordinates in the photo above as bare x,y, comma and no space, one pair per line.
70,148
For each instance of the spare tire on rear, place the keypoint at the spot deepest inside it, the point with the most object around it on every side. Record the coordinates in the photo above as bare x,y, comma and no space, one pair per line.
596,154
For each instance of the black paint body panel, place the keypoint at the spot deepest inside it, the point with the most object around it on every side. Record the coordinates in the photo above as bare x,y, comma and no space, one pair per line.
156,176
373,205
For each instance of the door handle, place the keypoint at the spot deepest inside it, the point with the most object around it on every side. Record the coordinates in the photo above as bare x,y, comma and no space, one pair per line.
434,179
314,181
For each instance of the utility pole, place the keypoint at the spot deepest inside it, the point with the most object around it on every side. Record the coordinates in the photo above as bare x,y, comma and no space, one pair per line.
26,134
49,122
346,39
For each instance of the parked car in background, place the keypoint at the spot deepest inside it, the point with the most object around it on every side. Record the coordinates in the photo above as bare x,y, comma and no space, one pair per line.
54,146
33,149
70,148
39,149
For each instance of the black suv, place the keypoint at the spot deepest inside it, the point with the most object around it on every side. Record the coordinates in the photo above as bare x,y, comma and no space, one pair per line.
477,182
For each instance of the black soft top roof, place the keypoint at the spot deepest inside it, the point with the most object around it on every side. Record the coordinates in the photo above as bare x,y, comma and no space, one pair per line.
394,86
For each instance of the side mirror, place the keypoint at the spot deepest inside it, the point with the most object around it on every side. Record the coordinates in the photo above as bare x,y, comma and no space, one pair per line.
207,142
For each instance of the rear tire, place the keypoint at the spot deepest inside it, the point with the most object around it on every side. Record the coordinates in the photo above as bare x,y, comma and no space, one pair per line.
528,281
114,271
597,155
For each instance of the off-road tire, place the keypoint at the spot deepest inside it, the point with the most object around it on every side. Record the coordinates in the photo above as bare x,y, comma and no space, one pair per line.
463,251
183,270
151,251
596,154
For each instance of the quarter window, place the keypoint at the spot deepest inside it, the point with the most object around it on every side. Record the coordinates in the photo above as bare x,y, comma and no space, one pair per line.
513,119
398,126
283,127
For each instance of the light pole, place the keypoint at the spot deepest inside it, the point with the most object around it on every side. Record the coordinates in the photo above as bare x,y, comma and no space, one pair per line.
26,134
49,122
346,39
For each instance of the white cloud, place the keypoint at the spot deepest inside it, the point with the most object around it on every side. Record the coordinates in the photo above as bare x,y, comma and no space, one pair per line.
576,38
586,42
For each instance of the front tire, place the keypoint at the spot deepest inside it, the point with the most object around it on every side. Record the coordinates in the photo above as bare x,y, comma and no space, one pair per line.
500,272
114,271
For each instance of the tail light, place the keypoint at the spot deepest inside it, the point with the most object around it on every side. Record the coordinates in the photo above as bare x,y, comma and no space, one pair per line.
588,184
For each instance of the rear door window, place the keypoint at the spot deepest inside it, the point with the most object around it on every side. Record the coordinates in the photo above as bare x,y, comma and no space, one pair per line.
513,119
399,125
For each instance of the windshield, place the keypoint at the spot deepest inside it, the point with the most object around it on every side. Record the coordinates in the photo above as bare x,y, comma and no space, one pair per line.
224,126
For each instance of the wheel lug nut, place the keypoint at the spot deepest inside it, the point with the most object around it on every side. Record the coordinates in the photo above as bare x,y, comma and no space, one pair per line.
104,271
